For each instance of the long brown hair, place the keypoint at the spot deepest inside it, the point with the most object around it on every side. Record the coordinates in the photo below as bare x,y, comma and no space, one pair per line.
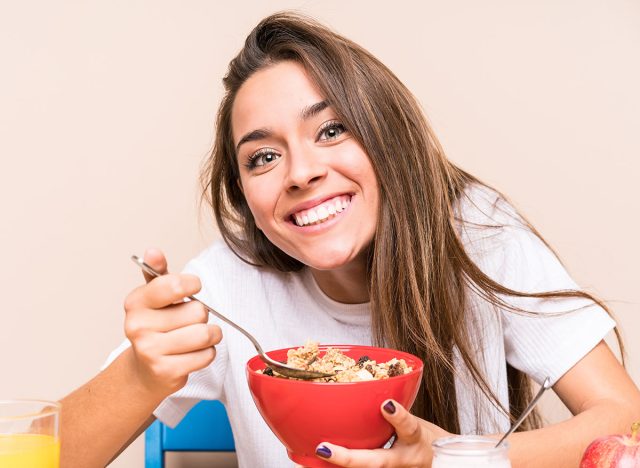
419,271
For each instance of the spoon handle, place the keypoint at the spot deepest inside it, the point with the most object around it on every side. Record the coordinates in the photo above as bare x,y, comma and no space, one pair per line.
545,385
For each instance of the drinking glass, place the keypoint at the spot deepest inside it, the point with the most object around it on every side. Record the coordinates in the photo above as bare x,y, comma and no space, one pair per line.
468,452
29,434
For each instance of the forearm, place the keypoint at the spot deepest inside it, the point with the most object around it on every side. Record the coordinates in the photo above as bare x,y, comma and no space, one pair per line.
564,443
99,418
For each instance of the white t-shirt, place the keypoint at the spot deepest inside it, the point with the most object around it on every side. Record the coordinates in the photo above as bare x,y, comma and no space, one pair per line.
286,309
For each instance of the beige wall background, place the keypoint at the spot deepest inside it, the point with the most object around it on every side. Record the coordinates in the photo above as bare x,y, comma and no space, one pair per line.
107,110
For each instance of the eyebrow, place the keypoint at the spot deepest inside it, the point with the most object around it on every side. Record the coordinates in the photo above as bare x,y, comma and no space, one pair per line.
259,134
313,110
262,133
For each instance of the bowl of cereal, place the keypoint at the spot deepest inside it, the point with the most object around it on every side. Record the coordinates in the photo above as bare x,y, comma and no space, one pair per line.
343,409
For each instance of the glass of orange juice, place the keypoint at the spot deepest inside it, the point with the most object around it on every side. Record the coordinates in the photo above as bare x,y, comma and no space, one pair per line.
29,434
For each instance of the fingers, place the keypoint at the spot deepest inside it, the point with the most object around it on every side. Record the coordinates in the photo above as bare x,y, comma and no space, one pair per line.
152,346
166,319
155,259
407,426
171,372
189,339
163,291
408,434
164,360
191,362
170,338
355,458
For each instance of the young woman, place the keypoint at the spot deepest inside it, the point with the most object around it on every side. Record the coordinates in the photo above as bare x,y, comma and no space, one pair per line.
344,222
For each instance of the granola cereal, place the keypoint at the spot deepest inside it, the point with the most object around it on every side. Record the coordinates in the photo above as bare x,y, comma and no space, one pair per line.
345,368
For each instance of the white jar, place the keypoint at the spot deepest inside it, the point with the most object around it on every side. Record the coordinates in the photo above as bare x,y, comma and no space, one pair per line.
469,451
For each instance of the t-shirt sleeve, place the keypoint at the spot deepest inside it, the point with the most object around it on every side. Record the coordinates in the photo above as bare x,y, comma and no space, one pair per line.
115,353
563,330
204,384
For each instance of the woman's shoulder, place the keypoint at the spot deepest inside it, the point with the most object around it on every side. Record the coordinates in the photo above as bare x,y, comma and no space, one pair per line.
505,246
495,236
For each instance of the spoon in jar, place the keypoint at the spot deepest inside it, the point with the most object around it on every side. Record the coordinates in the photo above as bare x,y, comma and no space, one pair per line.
279,367
545,385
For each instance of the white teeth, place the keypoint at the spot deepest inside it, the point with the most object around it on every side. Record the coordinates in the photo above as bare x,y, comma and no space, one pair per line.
320,213
323,213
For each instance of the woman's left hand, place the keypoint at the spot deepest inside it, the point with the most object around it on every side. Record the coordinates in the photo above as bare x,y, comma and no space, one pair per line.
412,447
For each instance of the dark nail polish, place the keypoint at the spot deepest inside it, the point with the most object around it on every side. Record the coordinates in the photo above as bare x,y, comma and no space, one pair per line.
389,407
323,451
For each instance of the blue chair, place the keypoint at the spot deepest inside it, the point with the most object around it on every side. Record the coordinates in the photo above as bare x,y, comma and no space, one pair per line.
205,428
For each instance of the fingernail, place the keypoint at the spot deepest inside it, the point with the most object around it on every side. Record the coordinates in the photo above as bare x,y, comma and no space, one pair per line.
323,451
389,407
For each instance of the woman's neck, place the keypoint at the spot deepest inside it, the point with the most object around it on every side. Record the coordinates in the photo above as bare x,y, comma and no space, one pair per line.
349,285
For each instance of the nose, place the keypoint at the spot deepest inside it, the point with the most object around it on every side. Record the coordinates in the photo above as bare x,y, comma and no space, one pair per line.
305,168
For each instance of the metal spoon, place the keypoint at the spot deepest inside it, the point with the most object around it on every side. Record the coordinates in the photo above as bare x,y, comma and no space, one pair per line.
545,385
279,367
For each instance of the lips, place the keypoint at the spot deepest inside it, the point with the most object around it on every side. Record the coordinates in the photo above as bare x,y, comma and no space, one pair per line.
321,212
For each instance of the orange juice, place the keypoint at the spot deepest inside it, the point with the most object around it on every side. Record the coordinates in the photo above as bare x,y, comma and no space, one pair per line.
29,451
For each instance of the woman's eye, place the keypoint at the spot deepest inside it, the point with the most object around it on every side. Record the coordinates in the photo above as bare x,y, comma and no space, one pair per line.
331,131
262,158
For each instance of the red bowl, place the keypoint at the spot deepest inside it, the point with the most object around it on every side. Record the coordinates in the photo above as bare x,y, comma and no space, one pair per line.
302,414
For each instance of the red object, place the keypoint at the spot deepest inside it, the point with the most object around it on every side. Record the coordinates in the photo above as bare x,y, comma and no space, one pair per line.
614,451
302,414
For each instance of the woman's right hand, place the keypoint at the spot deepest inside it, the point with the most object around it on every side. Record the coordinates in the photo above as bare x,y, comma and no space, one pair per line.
170,338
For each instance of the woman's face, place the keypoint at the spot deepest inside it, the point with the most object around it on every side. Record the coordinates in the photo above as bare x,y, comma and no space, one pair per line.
310,186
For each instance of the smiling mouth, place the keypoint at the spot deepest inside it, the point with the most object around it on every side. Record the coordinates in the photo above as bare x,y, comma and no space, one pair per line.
322,212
